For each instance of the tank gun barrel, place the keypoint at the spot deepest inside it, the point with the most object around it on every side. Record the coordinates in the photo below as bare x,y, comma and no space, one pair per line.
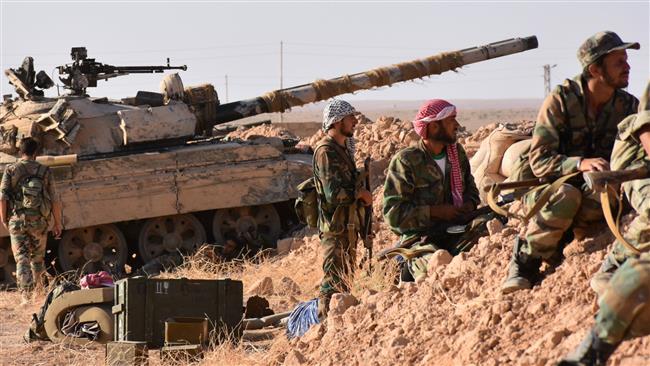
283,99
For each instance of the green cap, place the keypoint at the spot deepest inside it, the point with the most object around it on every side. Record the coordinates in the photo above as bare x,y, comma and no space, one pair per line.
601,44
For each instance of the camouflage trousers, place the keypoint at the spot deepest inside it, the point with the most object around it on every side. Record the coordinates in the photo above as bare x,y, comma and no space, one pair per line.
625,305
339,260
28,240
638,233
568,206
418,266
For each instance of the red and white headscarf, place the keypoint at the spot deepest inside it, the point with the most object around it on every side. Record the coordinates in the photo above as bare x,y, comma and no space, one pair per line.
432,110
437,110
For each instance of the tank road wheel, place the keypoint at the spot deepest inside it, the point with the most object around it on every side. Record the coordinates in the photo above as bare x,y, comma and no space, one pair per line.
7,265
94,248
237,220
169,234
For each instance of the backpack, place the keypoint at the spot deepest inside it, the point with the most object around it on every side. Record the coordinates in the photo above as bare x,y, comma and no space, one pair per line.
30,194
306,205
36,330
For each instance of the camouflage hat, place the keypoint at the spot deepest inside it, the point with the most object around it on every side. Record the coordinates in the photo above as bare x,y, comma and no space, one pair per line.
601,44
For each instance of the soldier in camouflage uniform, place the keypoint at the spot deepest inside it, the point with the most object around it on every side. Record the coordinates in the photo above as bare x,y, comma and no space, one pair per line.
28,226
575,132
623,284
429,186
340,197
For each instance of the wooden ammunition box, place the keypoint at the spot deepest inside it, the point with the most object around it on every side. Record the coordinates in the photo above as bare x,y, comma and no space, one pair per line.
143,305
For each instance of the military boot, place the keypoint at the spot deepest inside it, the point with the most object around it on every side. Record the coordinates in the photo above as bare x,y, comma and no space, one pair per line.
592,351
523,270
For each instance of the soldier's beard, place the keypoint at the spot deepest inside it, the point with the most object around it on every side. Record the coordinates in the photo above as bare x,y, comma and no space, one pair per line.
612,81
442,136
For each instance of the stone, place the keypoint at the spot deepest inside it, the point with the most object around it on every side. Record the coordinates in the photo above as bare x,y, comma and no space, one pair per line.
341,302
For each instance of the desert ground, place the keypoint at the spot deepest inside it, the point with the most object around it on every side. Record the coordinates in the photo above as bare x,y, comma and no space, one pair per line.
455,316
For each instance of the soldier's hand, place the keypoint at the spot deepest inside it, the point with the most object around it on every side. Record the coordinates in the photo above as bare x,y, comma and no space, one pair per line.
57,230
365,196
445,212
593,165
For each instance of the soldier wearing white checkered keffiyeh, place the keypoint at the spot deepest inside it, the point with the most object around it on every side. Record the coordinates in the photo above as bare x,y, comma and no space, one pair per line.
340,199
334,112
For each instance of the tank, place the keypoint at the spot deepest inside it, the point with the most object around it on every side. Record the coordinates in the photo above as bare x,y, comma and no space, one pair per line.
143,176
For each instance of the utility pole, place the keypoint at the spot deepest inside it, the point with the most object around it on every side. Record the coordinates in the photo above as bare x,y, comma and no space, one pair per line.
281,69
547,78
226,88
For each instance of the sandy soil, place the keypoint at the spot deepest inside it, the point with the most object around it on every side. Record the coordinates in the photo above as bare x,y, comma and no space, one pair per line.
455,316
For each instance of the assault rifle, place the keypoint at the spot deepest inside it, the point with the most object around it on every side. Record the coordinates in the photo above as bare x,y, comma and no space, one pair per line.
457,227
84,72
599,181
366,233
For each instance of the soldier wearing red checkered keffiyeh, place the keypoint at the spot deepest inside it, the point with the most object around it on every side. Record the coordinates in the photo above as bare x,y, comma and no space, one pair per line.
429,186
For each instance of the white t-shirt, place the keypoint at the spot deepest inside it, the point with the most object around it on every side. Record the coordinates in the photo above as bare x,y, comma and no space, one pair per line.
442,164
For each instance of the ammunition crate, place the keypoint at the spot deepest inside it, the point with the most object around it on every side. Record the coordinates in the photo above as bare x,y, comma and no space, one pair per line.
127,354
142,306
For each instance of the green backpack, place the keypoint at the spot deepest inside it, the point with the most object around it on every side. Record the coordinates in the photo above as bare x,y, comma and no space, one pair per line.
306,205
30,194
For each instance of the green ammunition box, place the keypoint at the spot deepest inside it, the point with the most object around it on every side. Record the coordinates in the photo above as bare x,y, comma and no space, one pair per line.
127,354
142,305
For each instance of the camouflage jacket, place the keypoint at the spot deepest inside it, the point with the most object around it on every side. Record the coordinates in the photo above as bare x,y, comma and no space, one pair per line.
15,172
414,182
336,184
628,153
564,133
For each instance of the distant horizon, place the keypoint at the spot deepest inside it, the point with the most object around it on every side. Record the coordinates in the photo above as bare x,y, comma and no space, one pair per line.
242,42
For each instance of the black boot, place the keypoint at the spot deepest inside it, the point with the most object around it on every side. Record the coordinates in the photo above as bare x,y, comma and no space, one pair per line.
592,351
523,270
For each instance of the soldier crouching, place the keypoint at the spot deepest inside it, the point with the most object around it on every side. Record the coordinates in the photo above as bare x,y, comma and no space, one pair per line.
336,181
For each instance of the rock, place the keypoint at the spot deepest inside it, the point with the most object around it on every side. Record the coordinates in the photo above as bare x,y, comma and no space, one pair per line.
294,358
494,226
284,246
262,287
399,341
438,259
288,287
341,302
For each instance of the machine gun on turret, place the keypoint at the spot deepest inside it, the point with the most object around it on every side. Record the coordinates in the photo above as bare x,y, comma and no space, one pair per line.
84,72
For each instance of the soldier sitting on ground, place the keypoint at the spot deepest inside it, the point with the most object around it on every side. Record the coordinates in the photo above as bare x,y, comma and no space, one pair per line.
623,284
574,132
430,186
27,200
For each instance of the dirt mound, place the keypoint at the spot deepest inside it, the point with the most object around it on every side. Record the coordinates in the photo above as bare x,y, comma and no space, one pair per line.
260,131
457,316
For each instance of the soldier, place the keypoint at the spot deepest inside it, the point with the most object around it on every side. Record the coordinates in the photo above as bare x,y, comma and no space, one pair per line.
27,200
429,186
338,188
575,132
625,299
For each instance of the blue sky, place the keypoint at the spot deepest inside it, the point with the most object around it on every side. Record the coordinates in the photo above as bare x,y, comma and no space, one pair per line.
321,40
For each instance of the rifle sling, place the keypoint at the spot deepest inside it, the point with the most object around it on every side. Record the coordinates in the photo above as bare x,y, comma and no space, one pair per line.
613,225
540,202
